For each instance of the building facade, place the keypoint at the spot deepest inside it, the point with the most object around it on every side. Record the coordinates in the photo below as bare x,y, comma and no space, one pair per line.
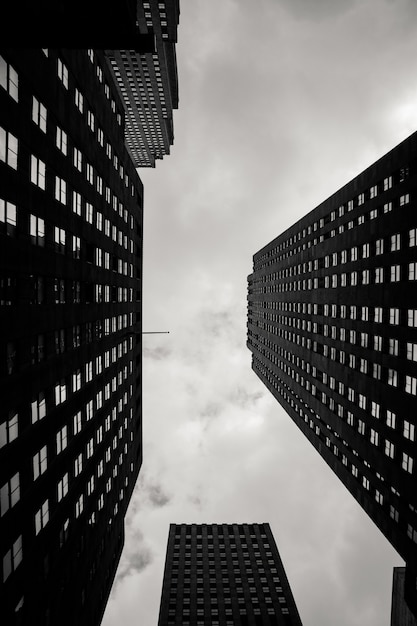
332,327
225,575
400,613
70,306
148,83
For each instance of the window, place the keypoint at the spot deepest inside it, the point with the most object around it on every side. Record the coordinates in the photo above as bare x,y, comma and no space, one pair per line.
90,120
377,343
59,239
39,114
89,212
40,462
412,318
60,190
412,237
395,273
37,230
42,517
379,246
412,271
61,140
379,274
62,487
407,463
411,385
8,216
77,159
79,100
378,315
79,506
412,351
389,449
409,431
393,347
77,423
60,392
78,465
61,439
76,247
13,557
394,316
9,494
90,173
393,377
391,418
37,172
375,409
38,408
405,199
387,183
8,148
365,250
76,202
63,73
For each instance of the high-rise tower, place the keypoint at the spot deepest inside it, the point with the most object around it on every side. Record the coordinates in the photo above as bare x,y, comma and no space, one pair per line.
70,306
224,575
332,326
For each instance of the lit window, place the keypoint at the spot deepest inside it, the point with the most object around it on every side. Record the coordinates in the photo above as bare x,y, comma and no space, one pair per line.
393,347
39,114
8,148
391,419
412,351
379,246
79,100
405,199
389,449
387,183
412,237
37,230
392,377
411,385
38,408
62,487
407,463
9,79
37,171
379,274
63,73
409,430
61,439
40,462
61,140
412,271
9,494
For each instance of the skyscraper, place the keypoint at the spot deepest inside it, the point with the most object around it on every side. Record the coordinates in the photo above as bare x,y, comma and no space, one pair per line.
332,326
148,83
400,613
224,575
70,306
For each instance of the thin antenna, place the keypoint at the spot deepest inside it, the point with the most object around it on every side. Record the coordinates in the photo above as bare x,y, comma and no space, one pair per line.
155,332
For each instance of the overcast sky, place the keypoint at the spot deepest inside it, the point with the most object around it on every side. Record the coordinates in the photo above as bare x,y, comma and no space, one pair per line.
281,103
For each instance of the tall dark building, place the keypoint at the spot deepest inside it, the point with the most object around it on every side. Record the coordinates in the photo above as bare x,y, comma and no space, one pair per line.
332,326
148,83
70,306
400,613
225,575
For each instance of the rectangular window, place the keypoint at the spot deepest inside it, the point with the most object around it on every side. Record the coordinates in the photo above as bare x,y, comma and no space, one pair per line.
405,199
9,79
79,100
62,73
8,148
60,392
42,517
39,114
37,230
9,494
38,407
411,385
412,271
392,377
59,239
409,431
393,347
391,419
62,487
77,159
407,463
412,237
379,274
40,462
387,183
8,217
389,449
61,439
61,140
37,172
60,190
412,351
